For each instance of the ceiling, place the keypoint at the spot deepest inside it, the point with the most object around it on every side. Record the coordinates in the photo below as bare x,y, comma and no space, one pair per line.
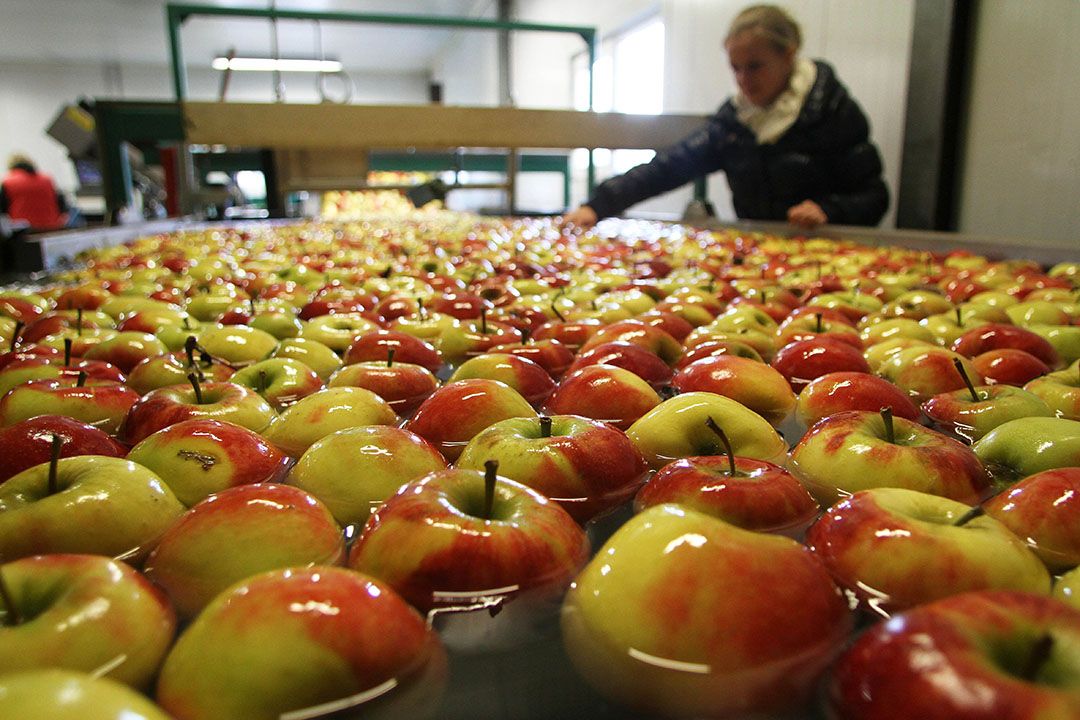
133,31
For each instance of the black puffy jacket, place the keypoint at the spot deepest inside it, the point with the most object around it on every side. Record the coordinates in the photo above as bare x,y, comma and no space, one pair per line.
826,156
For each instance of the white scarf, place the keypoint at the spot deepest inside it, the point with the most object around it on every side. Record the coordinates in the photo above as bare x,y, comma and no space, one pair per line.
769,123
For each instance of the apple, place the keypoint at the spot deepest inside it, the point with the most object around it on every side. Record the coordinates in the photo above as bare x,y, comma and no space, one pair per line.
585,465
1014,651
199,457
752,494
857,450
266,526
1009,366
892,328
315,355
802,361
237,345
975,411
458,411
214,400
282,324
676,428
748,382
1060,391
551,355
640,333
877,354
67,695
704,650
280,381
87,504
995,336
917,304
340,641
1026,446
29,443
643,363
1037,312
469,338
456,538
603,392
353,471
83,612
375,346
327,411
1042,509
530,380
101,403
713,348
125,350
844,391
1065,339
935,548
925,372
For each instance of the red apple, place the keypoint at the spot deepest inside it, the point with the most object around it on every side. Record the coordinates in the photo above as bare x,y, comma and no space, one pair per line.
843,391
29,443
603,392
1009,366
375,346
802,361
995,336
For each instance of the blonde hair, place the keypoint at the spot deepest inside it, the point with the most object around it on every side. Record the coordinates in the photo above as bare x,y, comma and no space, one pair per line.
19,160
770,22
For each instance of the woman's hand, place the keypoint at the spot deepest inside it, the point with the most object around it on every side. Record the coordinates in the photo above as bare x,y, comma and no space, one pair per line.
582,218
807,214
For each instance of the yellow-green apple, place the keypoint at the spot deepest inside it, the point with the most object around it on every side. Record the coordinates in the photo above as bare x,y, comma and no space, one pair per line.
265,526
1067,588
603,392
855,305
934,549
1005,654
748,382
213,400
995,336
645,364
280,323
376,346
68,695
1042,508
925,372
353,471
676,428
197,458
125,350
1009,366
892,328
83,612
917,304
431,326
746,317
1060,391
1037,312
341,641
843,391
1065,339
858,450
802,361
280,381
458,411
706,650
101,403
752,494
456,539
315,355
325,412
206,307
86,296
585,465
173,369
878,353
530,380
763,344
175,335
87,504
23,368
337,331
1026,446
975,411
640,333
29,443
469,338
237,345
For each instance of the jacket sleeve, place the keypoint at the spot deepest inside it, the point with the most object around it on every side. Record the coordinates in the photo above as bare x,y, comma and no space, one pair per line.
860,196
697,154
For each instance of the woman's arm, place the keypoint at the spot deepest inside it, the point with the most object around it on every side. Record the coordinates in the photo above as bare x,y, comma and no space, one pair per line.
859,196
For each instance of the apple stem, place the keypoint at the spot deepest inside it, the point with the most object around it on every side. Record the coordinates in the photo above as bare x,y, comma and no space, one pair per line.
78,322
1040,653
545,426
553,309
817,322
11,612
890,434
67,352
483,322
187,324
726,442
764,297
262,381
420,308
526,335
967,381
19,325
251,305
959,318
970,515
194,380
189,347
491,476
54,463
390,357
80,381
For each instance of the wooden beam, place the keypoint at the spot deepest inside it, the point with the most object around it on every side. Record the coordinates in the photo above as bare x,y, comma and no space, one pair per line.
393,126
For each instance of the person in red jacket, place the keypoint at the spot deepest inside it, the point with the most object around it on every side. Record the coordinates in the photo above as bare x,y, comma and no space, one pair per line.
29,195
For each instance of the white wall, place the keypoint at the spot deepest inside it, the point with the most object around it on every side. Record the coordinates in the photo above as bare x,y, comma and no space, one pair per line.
867,43
1021,170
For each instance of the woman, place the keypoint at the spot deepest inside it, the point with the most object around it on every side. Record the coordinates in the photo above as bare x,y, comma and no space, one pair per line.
30,195
793,144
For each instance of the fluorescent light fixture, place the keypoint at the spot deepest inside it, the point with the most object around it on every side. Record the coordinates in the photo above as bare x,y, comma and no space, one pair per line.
241,64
